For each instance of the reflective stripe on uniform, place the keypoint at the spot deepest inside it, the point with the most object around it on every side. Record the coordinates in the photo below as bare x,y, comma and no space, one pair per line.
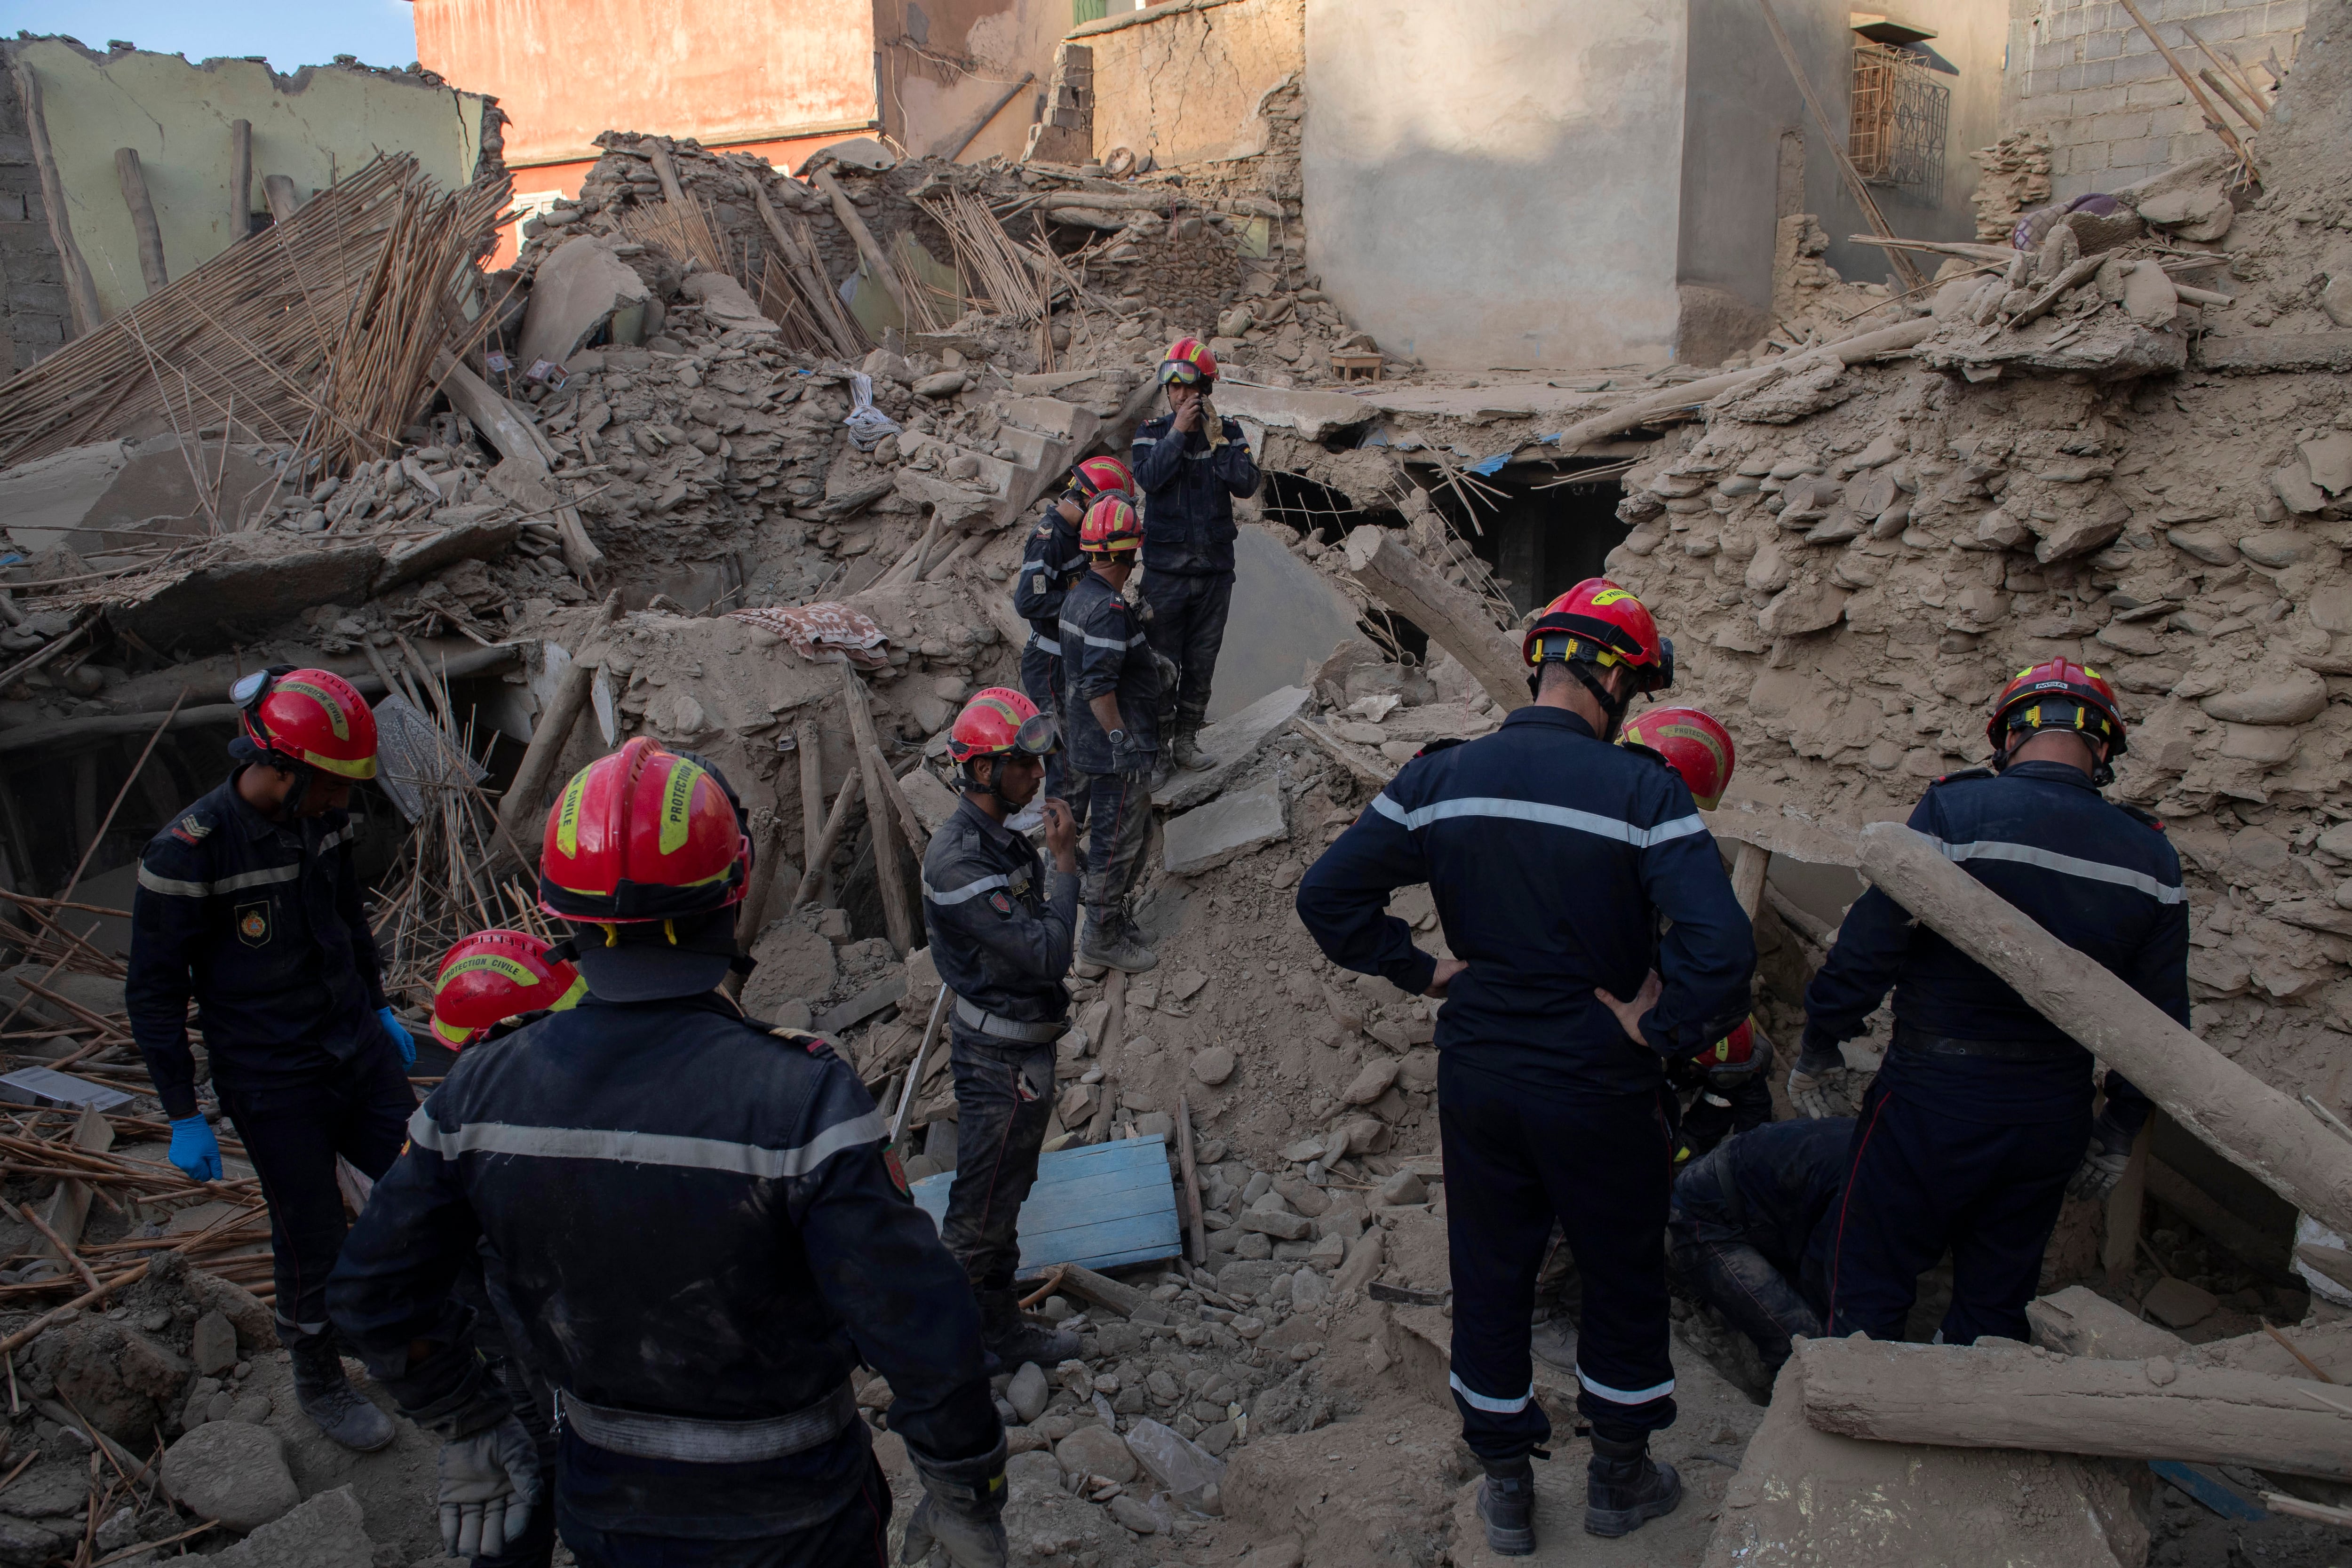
1092,641
969,890
1050,649
243,880
2064,864
348,831
1626,1395
1486,1403
1537,810
644,1148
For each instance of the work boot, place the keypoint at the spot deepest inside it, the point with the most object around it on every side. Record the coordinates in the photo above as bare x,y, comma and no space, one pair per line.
325,1395
1011,1336
1111,941
1625,1487
1186,749
1506,1503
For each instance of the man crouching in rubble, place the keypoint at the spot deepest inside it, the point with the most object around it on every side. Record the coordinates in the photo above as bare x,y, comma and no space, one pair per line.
1553,856
1976,1127
1751,1228
696,1226
1001,934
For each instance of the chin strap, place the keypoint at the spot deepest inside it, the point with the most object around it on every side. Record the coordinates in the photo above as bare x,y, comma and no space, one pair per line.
1613,706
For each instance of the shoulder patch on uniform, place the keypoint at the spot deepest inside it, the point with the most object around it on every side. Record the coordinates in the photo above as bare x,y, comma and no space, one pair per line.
1442,743
2145,819
1965,774
191,829
1001,903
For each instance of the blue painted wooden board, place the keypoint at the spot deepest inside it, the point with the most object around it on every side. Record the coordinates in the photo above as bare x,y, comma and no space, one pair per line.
1100,1206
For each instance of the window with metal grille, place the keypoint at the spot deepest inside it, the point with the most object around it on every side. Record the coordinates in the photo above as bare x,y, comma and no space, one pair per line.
1900,113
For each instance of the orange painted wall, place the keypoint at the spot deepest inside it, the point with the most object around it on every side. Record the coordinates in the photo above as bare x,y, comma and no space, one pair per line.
726,72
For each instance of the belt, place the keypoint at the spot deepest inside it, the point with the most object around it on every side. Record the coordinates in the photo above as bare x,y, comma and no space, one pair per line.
696,1442
988,1023
1050,649
1919,1041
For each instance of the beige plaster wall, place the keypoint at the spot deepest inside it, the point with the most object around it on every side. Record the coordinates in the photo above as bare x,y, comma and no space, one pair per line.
1181,82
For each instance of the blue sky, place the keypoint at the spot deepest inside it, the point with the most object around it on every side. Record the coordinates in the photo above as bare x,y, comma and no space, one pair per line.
291,33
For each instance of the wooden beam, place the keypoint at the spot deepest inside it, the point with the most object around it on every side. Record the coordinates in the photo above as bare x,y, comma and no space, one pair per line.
812,760
518,441
1456,619
278,190
665,171
2220,126
1978,1397
132,178
878,261
1910,274
950,146
807,267
896,915
540,758
1748,865
81,291
240,179
1691,394
2289,1150
830,839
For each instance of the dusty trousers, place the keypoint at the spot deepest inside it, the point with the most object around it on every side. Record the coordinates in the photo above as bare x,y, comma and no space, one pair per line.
292,1132
1041,681
1187,629
1004,1096
1517,1157
854,1536
1116,811
1919,1181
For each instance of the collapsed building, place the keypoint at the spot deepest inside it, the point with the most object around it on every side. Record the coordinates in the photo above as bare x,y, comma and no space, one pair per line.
603,491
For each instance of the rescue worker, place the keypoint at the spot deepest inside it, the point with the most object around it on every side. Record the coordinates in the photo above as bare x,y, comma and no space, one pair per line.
1192,463
1553,856
489,985
247,903
1050,563
1112,697
1980,1118
696,1227
1001,931
1751,1226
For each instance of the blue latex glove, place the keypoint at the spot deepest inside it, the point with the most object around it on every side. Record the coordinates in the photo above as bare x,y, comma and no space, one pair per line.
400,1035
195,1148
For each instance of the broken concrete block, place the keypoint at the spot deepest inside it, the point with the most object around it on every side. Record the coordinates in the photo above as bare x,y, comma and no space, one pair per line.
726,304
214,1346
1808,1497
1372,1082
1213,1066
2329,458
232,1472
933,802
70,498
467,534
2295,698
1223,830
1233,740
2178,1304
792,962
328,1532
1028,1392
2149,298
579,288
1405,1187
1096,1450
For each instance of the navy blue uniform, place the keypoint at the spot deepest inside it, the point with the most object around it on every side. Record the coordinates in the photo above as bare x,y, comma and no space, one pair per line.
1103,650
1050,562
1752,1224
1000,928
1189,489
261,924
1552,856
1982,1110
695,1224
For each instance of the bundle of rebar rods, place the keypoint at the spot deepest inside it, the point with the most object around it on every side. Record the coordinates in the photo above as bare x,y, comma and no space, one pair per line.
316,332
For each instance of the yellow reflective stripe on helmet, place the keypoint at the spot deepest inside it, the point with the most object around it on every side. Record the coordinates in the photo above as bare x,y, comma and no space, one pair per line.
677,799
570,998
449,1034
567,816
364,768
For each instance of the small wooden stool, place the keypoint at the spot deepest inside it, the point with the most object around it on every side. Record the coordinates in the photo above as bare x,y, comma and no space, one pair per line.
1356,366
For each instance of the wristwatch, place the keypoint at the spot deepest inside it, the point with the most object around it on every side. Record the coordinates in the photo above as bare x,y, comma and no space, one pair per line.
1117,737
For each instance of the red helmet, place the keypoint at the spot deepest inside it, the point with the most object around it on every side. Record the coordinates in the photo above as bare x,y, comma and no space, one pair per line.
1111,526
308,718
643,834
491,976
1694,745
2058,695
997,722
1102,476
1188,360
1599,623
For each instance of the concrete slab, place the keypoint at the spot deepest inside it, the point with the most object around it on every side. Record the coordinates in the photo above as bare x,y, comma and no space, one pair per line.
72,497
1232,741
1313,414
467,534
236,598
575,291
1286,617
1221,831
